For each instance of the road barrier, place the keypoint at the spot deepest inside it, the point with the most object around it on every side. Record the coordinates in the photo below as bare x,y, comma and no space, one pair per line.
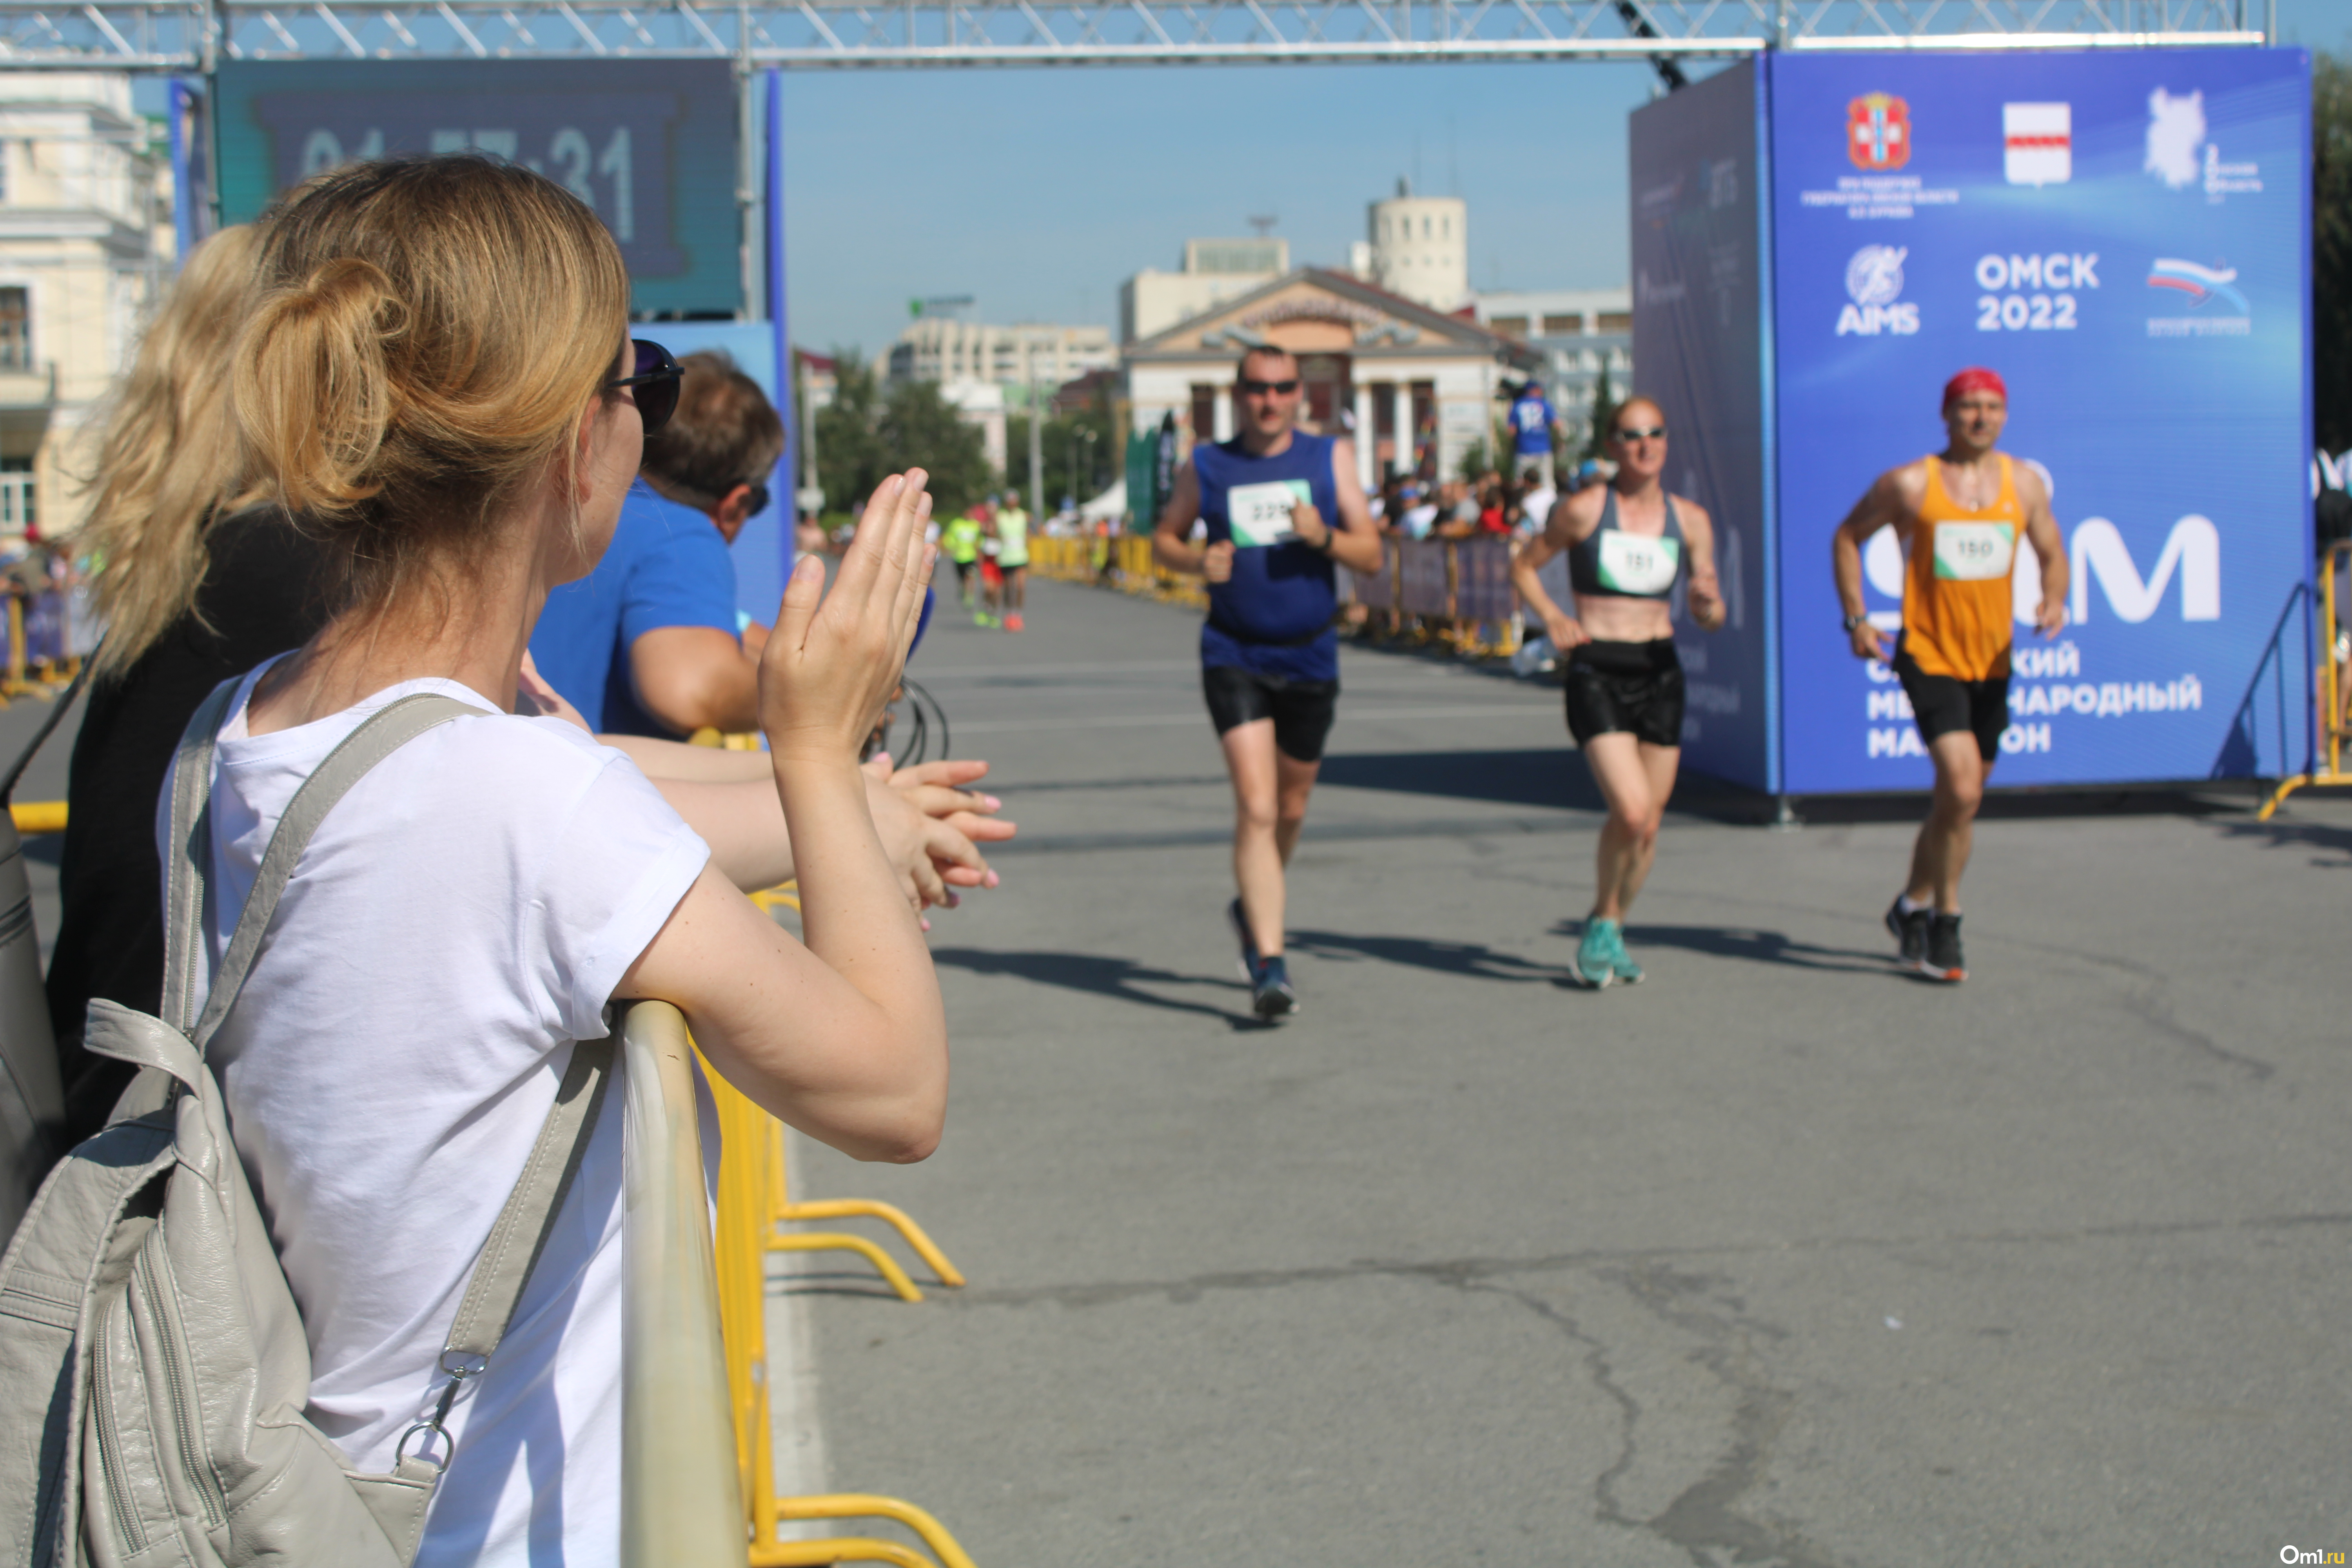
41,659
751,1200
680,1500
1452,592
2333,731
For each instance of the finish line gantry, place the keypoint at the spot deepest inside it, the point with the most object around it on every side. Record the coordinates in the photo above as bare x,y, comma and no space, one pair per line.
196,34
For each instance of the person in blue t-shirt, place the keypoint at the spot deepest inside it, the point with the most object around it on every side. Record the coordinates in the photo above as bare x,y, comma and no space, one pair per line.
1279,506
649,643
1531,422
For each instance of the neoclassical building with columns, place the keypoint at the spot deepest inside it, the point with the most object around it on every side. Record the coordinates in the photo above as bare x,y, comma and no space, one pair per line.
1416,387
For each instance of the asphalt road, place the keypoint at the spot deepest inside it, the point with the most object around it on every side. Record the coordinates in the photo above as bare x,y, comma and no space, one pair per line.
1778,1259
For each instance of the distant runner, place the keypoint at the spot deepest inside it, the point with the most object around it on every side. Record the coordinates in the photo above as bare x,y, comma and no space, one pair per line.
1957,516
1280,506
959,543
1013,559
1627,542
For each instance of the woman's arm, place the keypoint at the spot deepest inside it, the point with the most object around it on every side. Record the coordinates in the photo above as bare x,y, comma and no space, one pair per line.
845,1038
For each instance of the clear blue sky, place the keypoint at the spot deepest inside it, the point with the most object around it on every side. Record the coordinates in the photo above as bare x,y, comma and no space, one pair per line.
1038,191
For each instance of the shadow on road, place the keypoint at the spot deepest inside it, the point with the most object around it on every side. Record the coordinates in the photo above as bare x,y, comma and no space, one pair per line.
1551,776
2278,835
1097,973
1469,959
1748,943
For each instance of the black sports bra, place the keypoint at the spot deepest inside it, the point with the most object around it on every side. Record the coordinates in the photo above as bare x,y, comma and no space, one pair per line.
1629,565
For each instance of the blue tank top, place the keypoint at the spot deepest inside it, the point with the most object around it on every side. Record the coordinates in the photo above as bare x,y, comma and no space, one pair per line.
1274,617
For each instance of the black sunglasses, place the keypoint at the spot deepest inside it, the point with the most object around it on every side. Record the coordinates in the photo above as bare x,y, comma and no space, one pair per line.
1655,433
1260,388
656,382
756,502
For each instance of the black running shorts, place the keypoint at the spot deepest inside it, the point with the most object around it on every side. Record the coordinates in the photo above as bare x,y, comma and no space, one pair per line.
1941,704
1628,687
1302,710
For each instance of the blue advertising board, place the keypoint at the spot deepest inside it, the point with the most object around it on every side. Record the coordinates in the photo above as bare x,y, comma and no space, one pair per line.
1699,328
762,550
2124,237
650,144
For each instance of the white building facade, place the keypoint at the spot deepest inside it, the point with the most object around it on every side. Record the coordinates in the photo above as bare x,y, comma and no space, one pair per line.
84,245
1418,247
1417,388
1214,270
1578,332
938,347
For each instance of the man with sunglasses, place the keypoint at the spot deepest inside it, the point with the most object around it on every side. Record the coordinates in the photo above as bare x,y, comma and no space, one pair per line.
650,643
1628,543
1280,506
1957,516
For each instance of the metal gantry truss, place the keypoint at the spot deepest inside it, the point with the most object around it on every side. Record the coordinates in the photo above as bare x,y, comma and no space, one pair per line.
155,35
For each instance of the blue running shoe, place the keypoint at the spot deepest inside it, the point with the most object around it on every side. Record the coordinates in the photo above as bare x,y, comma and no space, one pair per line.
1594,964
1619,959
1271,996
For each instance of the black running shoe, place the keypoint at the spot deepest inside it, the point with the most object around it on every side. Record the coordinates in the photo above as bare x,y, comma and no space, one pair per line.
1240,922
1271,996
1942,960
1910,932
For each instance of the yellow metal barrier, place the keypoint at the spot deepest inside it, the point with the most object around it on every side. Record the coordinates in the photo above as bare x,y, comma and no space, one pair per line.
751,1189
2333,730
681,1500
39,815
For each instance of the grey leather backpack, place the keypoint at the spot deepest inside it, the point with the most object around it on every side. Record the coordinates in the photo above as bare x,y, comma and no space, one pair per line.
153,1368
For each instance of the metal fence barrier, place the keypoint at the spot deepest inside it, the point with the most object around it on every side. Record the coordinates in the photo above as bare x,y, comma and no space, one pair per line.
2333,730
681,1495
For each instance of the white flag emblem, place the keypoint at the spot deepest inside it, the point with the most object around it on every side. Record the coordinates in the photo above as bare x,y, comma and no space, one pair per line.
2038,142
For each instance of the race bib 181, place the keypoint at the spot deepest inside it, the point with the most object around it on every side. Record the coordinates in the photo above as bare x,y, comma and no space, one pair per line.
1260,514
1637,563
1973,552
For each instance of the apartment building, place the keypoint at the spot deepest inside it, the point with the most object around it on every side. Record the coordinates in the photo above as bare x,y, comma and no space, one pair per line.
942,349
84,245
1577,331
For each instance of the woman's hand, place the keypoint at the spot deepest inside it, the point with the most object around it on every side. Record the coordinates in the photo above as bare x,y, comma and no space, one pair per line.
833,659
1566,632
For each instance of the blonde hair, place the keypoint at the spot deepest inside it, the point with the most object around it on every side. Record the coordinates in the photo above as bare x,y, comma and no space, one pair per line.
426,334
165,455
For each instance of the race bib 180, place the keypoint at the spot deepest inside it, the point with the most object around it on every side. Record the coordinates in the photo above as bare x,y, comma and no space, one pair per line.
1636,563
1973,552
1260,514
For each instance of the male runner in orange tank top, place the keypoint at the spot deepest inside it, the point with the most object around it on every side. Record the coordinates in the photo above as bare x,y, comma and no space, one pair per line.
1957,515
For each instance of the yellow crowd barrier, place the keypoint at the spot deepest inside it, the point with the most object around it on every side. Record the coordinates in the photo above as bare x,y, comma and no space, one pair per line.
751,1200
680,1503
2333,728
38,815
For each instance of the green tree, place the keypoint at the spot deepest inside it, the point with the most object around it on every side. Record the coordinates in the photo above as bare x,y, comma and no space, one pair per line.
1604,408
2331,259
870,432
1075,464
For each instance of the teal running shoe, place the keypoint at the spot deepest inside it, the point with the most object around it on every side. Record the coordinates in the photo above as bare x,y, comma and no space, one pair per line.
1595,955
1619,959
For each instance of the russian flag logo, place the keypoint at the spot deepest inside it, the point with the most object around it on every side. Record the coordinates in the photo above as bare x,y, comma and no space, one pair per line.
2038,142
2202,284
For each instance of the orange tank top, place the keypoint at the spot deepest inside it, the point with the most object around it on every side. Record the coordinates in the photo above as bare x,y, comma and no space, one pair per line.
1956,606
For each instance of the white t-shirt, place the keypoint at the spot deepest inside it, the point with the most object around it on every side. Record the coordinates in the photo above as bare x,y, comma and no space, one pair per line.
459,919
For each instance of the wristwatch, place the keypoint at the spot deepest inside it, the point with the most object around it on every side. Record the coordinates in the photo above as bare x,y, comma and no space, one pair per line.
1854,621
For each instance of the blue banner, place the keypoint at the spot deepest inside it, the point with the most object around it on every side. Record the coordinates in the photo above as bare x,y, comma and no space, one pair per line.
1699,332
2126,238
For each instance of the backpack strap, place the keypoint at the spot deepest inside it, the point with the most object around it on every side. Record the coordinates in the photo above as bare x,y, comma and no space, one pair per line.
520,1234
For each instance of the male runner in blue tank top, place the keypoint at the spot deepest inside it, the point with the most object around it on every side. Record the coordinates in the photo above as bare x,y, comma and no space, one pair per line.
1627,542
1280,507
